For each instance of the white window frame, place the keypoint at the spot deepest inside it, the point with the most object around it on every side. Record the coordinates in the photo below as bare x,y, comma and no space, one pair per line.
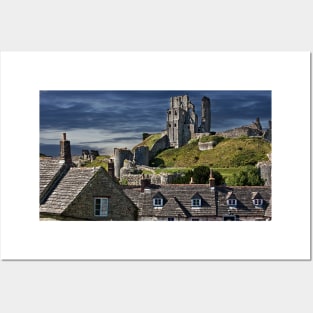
157,202
101,206
232,202
196,203
258,202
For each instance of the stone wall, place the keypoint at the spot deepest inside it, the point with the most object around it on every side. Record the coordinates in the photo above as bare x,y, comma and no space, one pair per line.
160,145
156,179
120,155
141,155
241,131
206,145
265,172
131,179
162,179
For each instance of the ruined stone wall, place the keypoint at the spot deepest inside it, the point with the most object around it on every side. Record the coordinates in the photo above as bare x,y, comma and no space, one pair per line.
241,131
206,145
131,179
265,172
141,155
156,179
205,115
182,121
120,155
160,145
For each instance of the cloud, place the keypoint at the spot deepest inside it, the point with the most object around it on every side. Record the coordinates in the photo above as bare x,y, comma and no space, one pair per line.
104,118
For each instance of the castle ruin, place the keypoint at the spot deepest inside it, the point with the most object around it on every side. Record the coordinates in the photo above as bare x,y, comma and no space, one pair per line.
182,120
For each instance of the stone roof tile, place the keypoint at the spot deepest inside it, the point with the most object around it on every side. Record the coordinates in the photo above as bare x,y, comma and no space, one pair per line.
49,168
68,189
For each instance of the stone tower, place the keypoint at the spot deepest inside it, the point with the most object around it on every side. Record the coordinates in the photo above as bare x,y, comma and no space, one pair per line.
206,115
120,155
182,121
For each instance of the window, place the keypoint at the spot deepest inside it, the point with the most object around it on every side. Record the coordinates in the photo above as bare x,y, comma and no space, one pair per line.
171,219
196,202
257,202
232,202
101,206
157,202
195,219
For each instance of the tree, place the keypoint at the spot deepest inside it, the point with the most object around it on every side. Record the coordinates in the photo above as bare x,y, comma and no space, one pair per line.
249,176
201,175
219,179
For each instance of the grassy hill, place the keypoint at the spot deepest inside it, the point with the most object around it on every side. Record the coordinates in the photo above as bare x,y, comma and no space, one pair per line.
228,157
101,160
149,141
228,153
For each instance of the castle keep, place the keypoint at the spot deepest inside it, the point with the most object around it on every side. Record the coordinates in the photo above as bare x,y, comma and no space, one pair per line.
182,120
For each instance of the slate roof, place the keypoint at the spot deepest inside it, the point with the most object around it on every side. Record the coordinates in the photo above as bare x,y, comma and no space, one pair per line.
177,201
68,189
244,195
49,168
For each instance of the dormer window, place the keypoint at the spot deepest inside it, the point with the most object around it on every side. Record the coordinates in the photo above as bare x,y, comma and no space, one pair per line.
257,199
232,202
231,199
157,202
196,201
258,202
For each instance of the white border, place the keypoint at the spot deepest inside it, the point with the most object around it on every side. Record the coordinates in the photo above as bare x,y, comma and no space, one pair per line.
23,74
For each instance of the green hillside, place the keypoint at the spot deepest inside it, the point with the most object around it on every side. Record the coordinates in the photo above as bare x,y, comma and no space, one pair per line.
101,160
149,141
228,153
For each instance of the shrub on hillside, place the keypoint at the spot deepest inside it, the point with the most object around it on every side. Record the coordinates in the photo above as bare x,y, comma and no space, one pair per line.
249,176
200,175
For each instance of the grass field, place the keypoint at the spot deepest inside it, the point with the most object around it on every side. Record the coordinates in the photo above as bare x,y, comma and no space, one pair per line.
229,153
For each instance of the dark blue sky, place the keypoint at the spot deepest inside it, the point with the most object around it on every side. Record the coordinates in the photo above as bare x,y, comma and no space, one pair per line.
103,120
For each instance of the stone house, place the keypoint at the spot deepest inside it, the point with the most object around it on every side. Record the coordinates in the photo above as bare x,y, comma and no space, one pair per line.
71,193
203,202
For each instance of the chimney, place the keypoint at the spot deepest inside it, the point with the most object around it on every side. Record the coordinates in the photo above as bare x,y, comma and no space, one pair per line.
111,168
65,150
144,183
211,179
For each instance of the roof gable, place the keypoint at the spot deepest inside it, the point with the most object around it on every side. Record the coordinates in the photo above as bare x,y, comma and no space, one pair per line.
173,208
196,196
68,189
230,195
255,195
158,195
